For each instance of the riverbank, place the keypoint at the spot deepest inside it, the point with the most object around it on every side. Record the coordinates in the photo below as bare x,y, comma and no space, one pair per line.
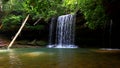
21,43
4,42
20,46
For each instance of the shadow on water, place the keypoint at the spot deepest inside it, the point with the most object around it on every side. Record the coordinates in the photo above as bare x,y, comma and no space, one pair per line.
59,58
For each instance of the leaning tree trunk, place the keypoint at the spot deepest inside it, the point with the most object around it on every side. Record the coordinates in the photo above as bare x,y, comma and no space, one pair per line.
18,32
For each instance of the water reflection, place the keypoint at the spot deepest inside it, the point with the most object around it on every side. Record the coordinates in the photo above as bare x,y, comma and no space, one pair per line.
14,60
65,58
37,54
59,58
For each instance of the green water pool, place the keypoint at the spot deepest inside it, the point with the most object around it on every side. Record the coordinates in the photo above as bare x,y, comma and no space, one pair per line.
59,58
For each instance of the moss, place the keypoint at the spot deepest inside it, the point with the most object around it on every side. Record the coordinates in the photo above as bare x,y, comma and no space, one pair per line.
41,43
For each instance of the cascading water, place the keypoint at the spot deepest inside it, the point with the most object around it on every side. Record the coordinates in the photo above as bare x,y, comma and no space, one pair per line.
65,32
51,31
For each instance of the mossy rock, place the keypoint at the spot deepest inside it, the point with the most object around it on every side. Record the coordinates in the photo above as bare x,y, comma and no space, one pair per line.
41,43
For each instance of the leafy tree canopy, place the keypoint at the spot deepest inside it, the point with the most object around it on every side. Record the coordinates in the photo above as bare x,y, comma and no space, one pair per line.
92,9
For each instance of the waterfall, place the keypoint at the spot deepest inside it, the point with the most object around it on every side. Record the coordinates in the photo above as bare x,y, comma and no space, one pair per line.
65,32
51,31
110,34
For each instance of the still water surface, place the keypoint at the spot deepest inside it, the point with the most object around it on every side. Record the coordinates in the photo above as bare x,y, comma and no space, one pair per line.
59,58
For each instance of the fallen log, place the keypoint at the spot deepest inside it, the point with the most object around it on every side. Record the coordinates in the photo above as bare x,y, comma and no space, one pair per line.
13,40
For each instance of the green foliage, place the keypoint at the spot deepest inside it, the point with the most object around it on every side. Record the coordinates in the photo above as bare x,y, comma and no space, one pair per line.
37,27
11,21
92,9
41,8
4,1
70,5
94,12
